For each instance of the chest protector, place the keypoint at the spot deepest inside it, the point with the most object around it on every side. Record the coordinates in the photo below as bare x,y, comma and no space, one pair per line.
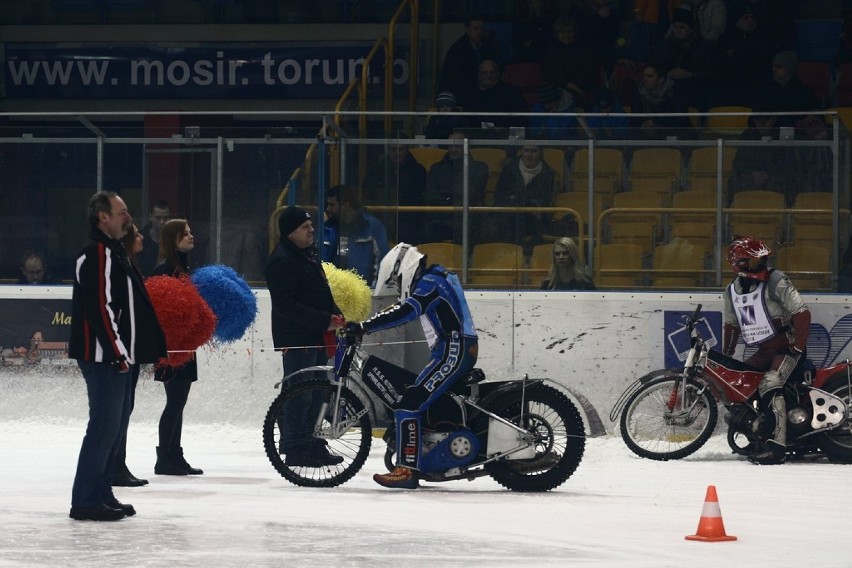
753,316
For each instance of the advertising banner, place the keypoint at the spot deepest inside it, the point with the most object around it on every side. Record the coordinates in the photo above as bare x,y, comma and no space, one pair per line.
33,330
285,70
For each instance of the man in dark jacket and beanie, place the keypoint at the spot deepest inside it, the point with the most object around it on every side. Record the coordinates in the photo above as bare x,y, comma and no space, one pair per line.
113,328
303,309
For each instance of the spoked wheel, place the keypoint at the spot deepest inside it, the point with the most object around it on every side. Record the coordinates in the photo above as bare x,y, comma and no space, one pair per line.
668,418
837,443
559,436
317,457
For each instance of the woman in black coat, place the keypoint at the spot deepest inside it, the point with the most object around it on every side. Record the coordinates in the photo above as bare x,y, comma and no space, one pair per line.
175,243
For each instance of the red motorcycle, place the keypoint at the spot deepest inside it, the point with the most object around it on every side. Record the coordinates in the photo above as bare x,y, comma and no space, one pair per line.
669,414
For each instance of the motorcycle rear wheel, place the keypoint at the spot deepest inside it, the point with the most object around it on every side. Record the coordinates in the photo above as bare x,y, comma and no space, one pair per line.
353,446
560,439
837,443
652,430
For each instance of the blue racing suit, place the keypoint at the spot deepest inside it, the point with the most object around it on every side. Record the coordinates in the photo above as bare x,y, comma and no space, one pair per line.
438,300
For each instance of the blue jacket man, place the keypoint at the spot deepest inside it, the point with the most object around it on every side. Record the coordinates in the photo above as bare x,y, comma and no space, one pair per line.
435,296
352,238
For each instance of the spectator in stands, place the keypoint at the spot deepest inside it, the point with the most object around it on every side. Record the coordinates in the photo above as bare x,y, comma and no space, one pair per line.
779,18
491,95
570,64
814,164
567,272
159,213
532,29
525,182
445,187
34,269
844,43
397,179
711,18
652,20
600,30
692,62
746,55
608,127
353,238
785,92
658,93
463,58
440,124
547,125
764,167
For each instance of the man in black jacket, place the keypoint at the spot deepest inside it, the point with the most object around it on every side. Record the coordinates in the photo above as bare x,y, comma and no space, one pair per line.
113,328
303,309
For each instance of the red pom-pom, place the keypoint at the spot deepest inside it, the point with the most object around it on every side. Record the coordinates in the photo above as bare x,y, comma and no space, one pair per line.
186,319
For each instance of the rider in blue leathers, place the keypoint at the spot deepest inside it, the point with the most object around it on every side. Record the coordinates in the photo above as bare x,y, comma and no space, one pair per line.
434,295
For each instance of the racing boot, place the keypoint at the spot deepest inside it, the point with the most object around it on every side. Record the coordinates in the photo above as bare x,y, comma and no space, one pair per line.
399,478
772,454
774,451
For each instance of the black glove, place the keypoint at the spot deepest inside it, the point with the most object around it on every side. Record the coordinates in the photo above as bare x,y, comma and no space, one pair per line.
354,329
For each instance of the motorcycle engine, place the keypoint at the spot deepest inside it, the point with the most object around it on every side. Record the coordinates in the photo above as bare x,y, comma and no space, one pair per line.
445,450
798,420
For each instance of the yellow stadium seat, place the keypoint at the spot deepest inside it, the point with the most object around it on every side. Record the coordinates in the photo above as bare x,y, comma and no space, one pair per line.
678,264
809,267
657,170
496,265
701,173
428,157
609,172
448,255
619,265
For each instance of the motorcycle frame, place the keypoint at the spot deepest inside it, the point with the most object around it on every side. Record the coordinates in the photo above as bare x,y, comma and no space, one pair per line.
343,374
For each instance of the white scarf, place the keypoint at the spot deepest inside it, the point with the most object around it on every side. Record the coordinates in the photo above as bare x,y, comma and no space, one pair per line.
529,173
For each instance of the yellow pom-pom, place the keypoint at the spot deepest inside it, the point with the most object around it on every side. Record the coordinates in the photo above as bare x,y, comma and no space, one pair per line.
351,292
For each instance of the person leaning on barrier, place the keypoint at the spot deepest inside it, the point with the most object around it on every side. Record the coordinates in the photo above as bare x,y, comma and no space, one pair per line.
303,309
113,327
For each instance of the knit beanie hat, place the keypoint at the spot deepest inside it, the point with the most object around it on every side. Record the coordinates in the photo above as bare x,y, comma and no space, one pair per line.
548,93
445,99
292,219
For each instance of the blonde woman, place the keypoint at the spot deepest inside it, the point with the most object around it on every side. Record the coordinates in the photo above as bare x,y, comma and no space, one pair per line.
566,272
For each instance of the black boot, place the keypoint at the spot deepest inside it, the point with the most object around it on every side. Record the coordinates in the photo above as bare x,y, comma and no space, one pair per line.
122,477
178,458
166,465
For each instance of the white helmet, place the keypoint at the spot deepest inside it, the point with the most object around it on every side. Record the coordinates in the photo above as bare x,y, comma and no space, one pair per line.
398,270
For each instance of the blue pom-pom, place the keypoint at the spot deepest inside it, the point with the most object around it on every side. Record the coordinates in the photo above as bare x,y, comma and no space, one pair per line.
230,298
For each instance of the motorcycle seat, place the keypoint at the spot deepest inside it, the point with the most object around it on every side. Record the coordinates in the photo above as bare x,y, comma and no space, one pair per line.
472,377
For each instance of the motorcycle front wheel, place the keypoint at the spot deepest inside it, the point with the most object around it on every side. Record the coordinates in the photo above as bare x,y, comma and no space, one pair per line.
667,419
558,431
305,457
837,443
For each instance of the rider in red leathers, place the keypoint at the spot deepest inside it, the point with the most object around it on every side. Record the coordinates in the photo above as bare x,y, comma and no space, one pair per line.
764,308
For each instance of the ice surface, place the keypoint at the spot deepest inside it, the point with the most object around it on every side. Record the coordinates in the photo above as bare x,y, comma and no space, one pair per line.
617,509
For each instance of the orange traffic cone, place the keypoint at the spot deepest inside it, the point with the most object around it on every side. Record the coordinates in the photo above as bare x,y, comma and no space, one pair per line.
710,525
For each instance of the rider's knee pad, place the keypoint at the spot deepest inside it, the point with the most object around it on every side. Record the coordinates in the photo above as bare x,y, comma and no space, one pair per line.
772,381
